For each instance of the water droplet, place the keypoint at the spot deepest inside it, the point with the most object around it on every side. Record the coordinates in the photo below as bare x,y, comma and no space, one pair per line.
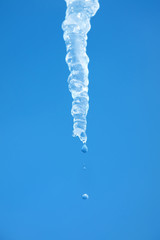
84,167
85,196
84,148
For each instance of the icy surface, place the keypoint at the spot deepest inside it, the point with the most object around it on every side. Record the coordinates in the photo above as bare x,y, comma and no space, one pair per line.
76,26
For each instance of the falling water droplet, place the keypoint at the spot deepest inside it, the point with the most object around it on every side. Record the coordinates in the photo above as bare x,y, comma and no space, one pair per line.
84,148
85,196
84,167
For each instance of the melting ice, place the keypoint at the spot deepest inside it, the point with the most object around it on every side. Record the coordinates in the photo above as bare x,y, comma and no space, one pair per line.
76,26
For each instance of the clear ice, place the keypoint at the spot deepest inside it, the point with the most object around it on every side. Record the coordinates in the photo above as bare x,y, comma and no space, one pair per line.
76,26
85,196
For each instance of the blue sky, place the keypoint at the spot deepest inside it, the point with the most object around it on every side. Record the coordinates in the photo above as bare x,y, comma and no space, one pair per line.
41,176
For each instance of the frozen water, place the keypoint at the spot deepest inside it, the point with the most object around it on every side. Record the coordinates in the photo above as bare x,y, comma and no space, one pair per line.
76,26
85,196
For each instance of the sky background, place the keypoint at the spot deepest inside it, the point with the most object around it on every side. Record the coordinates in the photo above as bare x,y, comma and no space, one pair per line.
41,175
